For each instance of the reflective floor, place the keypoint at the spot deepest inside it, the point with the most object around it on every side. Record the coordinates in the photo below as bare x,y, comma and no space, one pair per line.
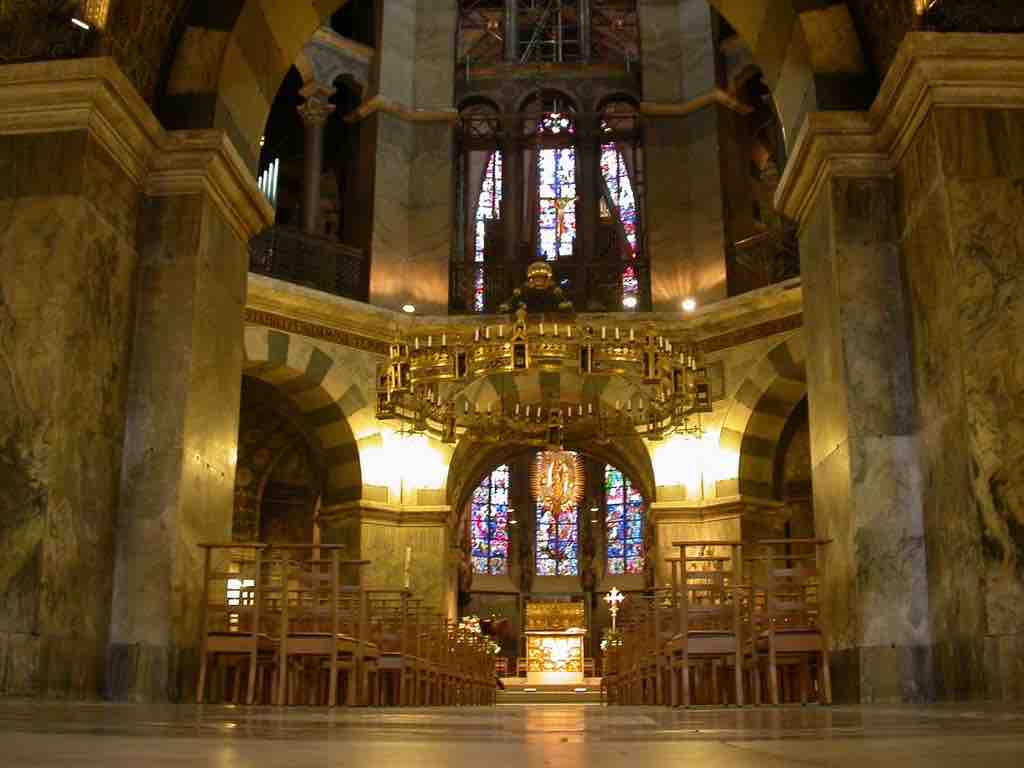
49,734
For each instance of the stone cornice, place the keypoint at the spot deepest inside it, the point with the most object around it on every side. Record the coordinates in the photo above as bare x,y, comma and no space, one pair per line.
390,514
81,94
190,162
709,510
291,308
95,96
684,108
388,106
931,70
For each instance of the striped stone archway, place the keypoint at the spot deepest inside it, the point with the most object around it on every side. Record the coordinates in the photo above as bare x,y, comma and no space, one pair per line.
322,388
808,52
231,61
763,404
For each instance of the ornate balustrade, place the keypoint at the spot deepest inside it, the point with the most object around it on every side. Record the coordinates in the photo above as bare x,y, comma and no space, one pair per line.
310,260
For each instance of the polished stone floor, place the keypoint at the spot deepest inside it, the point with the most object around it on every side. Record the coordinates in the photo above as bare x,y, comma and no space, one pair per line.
553,736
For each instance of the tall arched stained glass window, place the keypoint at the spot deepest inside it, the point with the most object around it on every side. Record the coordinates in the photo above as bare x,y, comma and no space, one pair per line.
488,208
557,541
622,202
624,516
556,198
488,518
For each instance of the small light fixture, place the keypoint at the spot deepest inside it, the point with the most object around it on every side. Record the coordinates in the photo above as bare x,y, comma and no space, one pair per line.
629,302
80,24
408,308
689,304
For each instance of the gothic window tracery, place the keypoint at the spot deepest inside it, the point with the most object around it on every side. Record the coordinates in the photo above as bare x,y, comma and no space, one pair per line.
556,191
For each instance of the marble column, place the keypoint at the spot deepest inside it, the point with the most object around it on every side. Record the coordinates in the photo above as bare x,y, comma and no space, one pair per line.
314,112
199,209
910,239
74,143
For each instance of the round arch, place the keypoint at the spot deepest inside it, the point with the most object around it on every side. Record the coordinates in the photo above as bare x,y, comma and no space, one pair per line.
473,460
318,386
755,423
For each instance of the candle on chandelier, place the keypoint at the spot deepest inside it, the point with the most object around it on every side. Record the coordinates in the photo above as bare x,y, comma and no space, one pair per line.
542,329
444,339
631,336
604,333
416,341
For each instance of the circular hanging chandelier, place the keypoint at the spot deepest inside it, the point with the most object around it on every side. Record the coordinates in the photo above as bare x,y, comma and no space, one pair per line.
490,383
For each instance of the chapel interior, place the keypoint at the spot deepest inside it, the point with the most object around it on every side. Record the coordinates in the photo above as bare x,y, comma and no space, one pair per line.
615,368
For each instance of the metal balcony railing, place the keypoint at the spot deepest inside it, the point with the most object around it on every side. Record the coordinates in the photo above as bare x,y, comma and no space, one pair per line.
309,260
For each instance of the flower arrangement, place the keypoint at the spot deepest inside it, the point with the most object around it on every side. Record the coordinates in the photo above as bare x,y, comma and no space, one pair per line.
471,624
611,639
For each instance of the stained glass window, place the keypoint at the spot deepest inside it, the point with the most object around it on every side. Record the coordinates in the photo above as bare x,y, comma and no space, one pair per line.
556,177
624,517
488,519
620,197
557,541
488,208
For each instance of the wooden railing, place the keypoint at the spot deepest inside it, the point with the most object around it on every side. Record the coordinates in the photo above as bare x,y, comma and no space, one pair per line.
310,260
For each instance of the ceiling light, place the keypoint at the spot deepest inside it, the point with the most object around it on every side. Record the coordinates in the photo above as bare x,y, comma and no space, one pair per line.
408,308
629,302
80,24
689,305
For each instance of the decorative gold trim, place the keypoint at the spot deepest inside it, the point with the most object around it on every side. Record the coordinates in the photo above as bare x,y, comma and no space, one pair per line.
751,333
315,331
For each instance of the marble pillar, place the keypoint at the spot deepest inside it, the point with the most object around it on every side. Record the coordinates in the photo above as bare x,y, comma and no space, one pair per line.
865,452
120,328
74,136
685,220
314,112
199,209
910,235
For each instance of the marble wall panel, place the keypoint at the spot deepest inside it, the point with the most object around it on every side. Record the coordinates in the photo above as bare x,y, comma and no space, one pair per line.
826,382
66,235
396,52
65,314
662,50
385,545
988,236
435,54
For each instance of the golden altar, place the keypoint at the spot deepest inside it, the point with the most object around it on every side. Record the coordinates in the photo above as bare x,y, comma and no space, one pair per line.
554,643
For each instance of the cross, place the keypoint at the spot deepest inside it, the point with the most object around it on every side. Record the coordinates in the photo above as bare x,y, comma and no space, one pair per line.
614,598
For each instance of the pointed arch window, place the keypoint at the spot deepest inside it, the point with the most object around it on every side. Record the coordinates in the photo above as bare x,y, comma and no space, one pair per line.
556,190
488,208
624,519
488,519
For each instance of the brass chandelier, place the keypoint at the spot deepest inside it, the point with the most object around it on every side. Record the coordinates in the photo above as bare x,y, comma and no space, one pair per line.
476,384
